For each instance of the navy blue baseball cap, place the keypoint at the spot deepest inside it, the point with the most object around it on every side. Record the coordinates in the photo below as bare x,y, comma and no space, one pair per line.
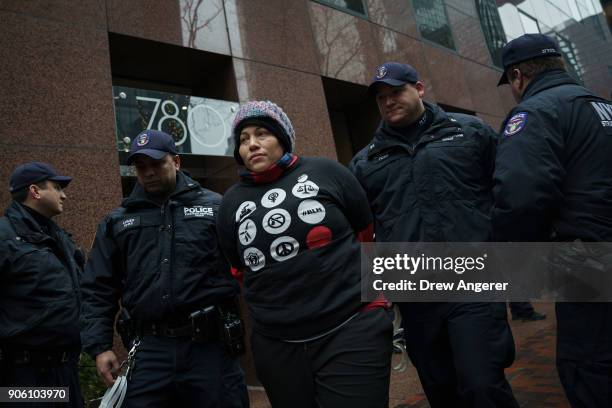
35,172
152,143
394,74
526,47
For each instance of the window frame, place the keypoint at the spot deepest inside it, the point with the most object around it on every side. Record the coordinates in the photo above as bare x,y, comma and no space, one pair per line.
482,29
448,23
328,3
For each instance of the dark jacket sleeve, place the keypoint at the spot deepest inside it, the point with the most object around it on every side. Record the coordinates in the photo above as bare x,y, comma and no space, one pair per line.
100,288
227,234
352,198
490,142
527,178
4,248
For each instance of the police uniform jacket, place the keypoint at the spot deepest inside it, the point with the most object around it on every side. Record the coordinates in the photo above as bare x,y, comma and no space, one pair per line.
39,275
553,177
163,261
437,188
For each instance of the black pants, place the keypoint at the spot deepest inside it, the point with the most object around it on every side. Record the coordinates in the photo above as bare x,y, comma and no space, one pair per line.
521,309
460,351
60,375
584,353
180,373
347,368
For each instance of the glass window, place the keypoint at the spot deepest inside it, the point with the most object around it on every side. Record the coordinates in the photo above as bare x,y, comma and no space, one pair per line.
511,20
433,22
354,6
530,24
563,7
198,125
492,28
574,10
572,64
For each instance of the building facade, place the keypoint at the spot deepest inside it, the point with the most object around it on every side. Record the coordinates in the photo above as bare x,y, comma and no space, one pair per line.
81,78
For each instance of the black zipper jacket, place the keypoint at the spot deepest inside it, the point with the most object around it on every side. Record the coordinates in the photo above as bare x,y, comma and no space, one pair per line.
163,262
39,275
436,189
553,177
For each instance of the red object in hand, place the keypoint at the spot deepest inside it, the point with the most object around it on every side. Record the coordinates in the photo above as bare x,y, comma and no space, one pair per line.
237,274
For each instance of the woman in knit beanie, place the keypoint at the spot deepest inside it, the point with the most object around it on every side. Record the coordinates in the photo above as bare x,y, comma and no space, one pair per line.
292,227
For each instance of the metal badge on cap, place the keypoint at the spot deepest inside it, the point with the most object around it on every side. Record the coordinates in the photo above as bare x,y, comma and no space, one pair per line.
381,72
142,140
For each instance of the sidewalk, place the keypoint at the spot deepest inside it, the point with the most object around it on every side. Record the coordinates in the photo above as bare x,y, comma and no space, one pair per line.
533,375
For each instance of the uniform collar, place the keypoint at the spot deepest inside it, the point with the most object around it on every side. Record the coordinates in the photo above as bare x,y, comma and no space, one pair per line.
547,80
26,224
441,124
139,197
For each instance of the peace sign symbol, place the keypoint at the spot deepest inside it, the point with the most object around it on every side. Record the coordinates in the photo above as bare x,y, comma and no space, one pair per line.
284,249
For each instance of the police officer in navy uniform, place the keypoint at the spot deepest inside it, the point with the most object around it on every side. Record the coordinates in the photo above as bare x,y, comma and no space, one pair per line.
428,177
553,182
158,254
39,286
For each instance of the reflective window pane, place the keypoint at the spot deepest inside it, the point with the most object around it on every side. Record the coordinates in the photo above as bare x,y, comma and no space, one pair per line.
511,20
433,22
530,25
198,125
569,55
356,6
492,28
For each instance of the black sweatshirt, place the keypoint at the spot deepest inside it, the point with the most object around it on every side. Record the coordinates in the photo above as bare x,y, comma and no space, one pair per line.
295,240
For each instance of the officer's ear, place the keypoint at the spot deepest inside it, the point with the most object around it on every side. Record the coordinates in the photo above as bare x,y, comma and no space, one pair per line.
34,191
177,161
514,74
420,87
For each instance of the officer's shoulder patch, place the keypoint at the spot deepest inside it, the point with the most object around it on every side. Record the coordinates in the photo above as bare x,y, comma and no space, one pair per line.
604,112
515,124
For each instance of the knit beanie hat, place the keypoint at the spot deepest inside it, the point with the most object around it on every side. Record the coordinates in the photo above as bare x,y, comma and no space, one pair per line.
265,114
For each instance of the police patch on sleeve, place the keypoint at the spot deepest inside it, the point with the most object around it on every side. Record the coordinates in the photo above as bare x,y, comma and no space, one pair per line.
515,124
604,111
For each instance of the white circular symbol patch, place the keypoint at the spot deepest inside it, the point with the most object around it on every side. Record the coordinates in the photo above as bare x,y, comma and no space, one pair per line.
247,232
245,210
283,248
302,178
254,258
311,211
305,188
273,197
276,221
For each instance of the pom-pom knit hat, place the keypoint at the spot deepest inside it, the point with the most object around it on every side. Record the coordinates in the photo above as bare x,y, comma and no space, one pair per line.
266,114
